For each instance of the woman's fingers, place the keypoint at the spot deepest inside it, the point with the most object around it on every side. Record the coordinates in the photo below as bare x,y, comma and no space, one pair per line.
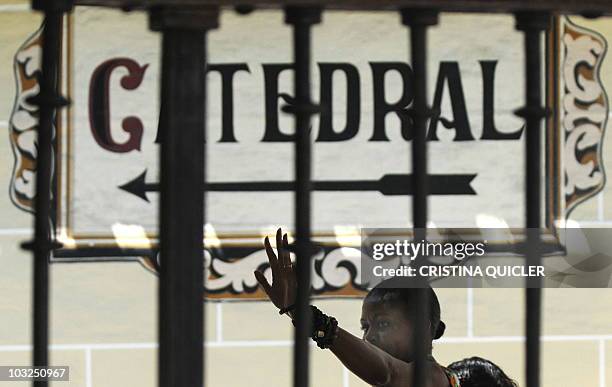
283,253
279,247
263,281
287,255
282,261
271,256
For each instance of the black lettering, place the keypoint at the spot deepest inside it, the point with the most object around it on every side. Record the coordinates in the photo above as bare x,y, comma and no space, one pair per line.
489,131
382,107
227,71
353,108
449,73
271,74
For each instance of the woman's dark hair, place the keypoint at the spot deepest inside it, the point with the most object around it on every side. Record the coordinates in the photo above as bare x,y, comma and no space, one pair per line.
396,291
479,372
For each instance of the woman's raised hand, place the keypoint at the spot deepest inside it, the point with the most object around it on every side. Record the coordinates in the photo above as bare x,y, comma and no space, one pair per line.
284,284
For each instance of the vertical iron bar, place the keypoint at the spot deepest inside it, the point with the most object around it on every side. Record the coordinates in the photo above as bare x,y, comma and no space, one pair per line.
532,24
418,20
49,101
182,157
48,85
302,19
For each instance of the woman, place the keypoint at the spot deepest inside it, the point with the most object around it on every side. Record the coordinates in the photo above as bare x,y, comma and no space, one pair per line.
478,372
384,355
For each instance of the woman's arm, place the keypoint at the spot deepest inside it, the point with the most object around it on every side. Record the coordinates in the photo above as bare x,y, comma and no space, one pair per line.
368,362
371,364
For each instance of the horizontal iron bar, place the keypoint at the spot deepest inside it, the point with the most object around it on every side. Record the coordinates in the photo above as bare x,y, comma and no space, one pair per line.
590,8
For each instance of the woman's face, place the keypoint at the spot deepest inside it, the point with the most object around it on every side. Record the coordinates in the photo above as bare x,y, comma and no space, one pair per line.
386,326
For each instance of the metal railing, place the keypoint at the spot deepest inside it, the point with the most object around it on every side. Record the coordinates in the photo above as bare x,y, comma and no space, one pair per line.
183,24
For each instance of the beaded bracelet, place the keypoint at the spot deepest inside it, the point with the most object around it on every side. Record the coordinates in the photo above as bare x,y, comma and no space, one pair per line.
324,328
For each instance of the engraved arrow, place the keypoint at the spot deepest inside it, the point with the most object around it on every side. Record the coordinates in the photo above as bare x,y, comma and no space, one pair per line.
391,185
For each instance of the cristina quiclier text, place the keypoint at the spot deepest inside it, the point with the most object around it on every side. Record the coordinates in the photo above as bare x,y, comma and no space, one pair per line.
495,271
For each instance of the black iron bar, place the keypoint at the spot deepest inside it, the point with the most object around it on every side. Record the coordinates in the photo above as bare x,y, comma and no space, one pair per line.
418,20
49,100
532,24
302,19
183,87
